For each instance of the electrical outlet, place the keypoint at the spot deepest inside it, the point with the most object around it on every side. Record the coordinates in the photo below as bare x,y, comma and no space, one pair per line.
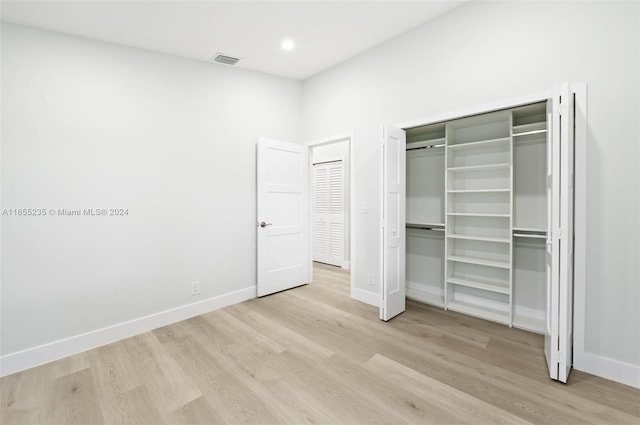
370,279
195,288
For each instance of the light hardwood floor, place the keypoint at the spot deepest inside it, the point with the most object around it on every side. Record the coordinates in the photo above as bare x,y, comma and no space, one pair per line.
311,355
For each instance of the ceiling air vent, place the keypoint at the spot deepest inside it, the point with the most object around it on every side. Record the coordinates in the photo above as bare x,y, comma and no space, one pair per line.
227,60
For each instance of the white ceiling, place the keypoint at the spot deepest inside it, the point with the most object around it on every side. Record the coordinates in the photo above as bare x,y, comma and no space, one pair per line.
325,32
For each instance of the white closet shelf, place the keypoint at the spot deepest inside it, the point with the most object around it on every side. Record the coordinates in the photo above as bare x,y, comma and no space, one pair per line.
529,235
501,166
479,214
479,143
414,223
529,229
530,323
479,238
426,144
480,261
499,287
477,190
481,312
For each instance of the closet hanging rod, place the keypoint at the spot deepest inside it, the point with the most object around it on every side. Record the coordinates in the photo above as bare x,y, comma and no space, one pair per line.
327,162
529,235
440,145
433,229
526,133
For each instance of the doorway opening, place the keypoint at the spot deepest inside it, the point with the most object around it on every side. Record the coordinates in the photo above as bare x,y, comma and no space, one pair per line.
331,189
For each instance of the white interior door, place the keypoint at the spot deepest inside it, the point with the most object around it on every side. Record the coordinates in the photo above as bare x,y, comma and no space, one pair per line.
393,222
328,212
283,255
559,335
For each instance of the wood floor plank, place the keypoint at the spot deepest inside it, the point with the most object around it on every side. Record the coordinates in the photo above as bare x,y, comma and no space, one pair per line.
600,390
238,327
113,369
124,399
202,363
291,340
161,374
197,412
134,407
25,395
74,400
312,355
462,407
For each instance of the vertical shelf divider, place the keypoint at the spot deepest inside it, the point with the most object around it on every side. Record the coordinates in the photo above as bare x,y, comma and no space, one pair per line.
446,215
511,187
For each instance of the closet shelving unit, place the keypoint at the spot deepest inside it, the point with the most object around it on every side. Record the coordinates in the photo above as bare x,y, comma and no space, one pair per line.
476,215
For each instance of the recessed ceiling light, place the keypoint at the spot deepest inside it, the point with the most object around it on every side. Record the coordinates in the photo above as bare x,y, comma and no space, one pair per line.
288,44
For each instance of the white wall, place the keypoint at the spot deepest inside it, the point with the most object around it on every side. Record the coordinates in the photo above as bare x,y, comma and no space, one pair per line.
491,51
93,125
332,152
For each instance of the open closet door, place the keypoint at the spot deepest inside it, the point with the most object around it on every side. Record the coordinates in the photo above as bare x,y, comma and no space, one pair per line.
393,222
283,257
559,258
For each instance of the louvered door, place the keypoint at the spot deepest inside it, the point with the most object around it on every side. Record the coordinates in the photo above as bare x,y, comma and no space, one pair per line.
328,213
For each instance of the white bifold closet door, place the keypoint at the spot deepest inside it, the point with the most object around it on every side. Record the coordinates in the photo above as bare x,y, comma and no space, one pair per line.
394,198
560,144
328,213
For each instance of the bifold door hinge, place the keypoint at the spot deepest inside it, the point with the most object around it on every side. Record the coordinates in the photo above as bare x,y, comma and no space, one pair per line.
559,111
562,234
559,233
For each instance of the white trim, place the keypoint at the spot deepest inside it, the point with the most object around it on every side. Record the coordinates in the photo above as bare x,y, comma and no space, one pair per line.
580,227
329,140
368,297
382,254
346,264
352,210
625,373
31,357
595,364
478,109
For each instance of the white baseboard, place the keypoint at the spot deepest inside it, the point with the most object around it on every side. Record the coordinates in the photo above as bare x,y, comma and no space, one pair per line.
346,265
625,373
371,298
46,353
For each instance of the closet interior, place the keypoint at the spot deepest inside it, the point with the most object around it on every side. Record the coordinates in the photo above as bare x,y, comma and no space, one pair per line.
476,215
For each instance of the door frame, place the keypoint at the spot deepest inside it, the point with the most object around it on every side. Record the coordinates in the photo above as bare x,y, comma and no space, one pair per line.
580,361
350,139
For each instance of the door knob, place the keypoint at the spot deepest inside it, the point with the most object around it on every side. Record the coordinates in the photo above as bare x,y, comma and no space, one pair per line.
263,224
